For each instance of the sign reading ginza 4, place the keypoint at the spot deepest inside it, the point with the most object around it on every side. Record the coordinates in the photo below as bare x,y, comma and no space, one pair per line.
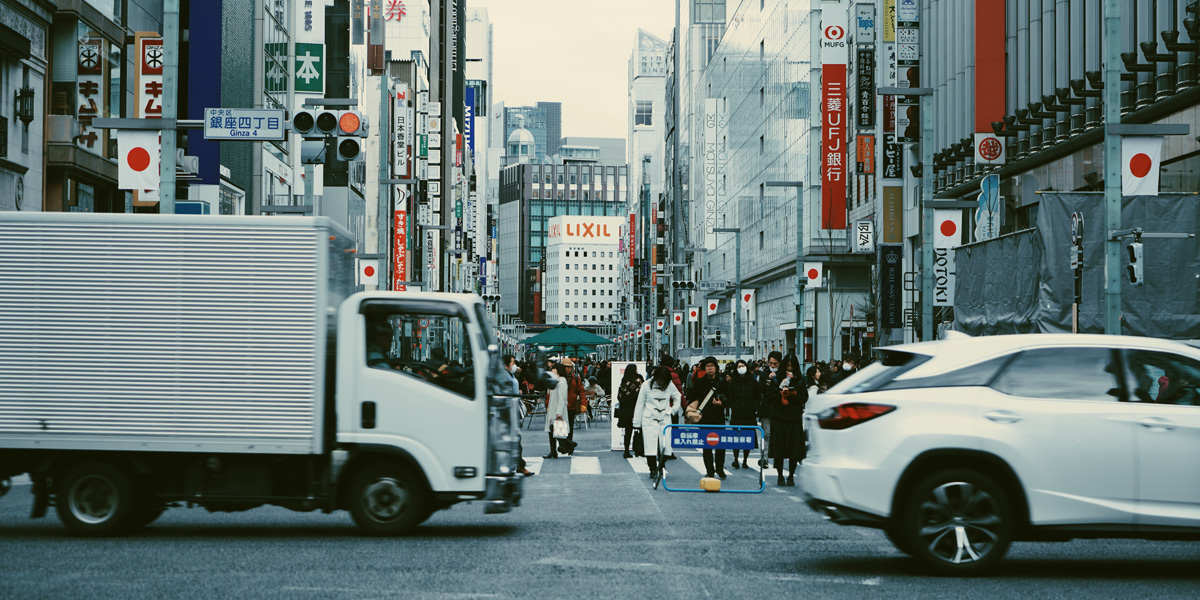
834,53
255,124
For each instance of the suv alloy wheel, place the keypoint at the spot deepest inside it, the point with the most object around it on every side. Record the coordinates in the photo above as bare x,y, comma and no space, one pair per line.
956,522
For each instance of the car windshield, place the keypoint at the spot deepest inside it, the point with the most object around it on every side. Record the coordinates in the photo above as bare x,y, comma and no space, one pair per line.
891,364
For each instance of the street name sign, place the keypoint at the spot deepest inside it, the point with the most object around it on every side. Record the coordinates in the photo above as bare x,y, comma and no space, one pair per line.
713,286
245,124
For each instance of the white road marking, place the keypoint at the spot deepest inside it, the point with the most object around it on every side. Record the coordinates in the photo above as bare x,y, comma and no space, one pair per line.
585,465
393,593
534,464
639,465
695,462
698,572
793,499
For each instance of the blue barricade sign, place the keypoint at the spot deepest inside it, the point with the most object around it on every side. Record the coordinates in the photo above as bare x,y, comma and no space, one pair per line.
699,437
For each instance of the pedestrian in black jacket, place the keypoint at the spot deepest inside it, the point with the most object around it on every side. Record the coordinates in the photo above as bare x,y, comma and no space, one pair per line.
627,395
713,412
742,396
787,416
768,382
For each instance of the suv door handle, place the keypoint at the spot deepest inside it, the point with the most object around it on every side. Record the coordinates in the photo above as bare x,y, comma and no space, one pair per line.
1156,424
1003,416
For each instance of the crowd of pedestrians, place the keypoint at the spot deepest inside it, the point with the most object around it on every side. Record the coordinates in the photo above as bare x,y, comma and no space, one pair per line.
770,392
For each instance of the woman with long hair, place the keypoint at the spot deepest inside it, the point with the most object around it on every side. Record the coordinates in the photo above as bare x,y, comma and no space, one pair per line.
787,421
627,396
656,402
556,408
742,395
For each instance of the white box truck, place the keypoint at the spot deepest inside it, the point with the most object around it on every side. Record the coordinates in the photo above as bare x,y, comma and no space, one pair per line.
149,361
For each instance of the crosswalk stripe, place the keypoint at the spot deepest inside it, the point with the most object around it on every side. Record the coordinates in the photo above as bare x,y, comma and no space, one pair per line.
639,465
585,465
534,463
694,462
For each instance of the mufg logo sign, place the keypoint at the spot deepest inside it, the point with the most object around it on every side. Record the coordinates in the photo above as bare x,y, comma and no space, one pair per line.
833,36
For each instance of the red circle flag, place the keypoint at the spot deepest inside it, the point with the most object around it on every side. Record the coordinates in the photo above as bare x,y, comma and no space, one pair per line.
745,297
369,271
949,228
1139,164
693,313
813,274
712,306
138,159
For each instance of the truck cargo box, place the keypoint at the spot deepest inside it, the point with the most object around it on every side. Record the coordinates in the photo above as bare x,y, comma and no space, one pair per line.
167,333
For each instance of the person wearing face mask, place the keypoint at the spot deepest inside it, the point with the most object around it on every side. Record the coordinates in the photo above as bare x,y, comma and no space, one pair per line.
788,421
742,396
656,402
556,409
768,383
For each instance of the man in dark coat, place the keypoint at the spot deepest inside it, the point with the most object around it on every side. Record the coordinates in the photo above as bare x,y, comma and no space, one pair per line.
768,382
713,412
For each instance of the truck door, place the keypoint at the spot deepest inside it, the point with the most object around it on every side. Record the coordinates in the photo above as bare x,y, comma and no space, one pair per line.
416,385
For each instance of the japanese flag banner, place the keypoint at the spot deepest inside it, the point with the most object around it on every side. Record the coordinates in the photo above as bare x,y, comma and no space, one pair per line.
661,323
368,271
1140,161
747,298
712,306
647,328
677,318
815,272
694,314
139,152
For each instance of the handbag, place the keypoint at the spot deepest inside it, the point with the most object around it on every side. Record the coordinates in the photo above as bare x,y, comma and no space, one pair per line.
639,445
692,415
561,429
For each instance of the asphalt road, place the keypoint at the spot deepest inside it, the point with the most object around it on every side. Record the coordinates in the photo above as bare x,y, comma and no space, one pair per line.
591,526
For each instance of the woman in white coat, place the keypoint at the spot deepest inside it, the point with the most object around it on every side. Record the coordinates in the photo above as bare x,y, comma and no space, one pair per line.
556,408
657,401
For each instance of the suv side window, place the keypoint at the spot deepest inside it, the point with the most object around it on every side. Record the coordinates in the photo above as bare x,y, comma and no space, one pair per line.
1061,374
1163,378
978,374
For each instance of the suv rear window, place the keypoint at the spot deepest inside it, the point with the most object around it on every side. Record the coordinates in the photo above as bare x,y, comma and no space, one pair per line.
890,365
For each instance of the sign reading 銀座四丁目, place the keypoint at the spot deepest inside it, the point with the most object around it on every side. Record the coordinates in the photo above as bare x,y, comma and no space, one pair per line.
256,124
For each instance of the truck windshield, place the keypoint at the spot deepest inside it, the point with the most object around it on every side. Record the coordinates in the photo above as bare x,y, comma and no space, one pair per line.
432,347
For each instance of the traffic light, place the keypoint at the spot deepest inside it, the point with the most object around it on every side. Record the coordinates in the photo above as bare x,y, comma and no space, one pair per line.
351,128
1134,269
312,124
491,297
718,338
683,285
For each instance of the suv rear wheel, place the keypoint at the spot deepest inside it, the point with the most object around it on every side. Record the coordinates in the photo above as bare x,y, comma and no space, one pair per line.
956,522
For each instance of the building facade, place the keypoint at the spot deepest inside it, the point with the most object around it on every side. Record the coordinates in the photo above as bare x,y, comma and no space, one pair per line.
582,280
544,121
644,119
611,150
24,62
531,195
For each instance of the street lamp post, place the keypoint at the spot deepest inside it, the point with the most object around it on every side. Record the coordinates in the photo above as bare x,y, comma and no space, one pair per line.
926,175
801,276
736,305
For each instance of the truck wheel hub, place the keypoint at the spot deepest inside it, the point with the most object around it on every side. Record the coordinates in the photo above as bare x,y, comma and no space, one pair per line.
93,499
385,499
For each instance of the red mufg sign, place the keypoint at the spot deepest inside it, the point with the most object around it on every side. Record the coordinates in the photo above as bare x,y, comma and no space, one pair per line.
632,225
833,146
400,252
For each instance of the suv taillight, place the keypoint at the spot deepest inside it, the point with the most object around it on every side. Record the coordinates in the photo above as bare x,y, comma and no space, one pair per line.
847,415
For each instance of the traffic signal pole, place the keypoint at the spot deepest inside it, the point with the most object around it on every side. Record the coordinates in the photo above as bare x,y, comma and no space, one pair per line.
170,106
1111,41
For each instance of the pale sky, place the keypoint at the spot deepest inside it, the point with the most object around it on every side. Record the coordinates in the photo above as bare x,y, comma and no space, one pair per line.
571,51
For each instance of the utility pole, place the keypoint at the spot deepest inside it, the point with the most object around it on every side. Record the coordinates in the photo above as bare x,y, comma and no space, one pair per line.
736,305
1112,165
170,106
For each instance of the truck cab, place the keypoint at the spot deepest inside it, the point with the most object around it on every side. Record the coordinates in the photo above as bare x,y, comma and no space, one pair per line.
419,379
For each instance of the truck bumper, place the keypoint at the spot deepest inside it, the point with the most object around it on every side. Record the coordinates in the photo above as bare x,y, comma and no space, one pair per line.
503,493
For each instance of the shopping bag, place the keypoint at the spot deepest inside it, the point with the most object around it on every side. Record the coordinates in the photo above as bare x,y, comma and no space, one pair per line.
561,429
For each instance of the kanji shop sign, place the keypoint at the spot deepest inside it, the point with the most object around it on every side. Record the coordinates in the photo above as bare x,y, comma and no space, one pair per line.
90,93
256,124
310,68
150,83
833,146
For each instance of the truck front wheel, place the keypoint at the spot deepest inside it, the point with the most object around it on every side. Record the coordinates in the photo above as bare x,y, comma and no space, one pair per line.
95,499
387,499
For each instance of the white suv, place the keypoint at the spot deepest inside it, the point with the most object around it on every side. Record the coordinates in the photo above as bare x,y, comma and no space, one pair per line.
959,447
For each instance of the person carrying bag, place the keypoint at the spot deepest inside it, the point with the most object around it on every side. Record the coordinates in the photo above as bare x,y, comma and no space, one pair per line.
558,428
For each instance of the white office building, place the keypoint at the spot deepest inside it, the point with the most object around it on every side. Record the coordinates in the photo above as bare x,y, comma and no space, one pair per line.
583,276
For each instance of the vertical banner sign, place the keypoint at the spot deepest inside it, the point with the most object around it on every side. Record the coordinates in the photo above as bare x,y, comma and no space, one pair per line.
91,91
891,286
865,80
358,22
469,123
401,129
947,232
888,18
864,23
865,145
400,237
834,53
149,86
714,156
893,214
864,237
632,234
908,117
893,158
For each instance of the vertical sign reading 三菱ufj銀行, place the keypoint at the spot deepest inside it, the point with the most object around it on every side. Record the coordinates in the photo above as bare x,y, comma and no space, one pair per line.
834,54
